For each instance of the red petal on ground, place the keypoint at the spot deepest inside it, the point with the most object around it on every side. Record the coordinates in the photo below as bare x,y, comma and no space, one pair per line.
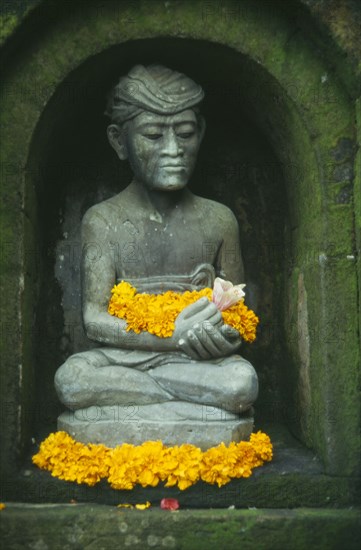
169,504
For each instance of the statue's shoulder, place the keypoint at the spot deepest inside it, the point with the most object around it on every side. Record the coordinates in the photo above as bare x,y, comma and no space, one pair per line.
214,210
104,213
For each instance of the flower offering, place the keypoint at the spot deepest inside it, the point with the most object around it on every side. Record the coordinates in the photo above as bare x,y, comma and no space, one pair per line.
151,463
157,313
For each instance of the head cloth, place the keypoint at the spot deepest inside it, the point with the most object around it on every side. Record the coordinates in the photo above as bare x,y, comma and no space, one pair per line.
155,89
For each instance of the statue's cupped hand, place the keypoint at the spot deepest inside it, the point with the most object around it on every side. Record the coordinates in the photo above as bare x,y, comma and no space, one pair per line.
201,333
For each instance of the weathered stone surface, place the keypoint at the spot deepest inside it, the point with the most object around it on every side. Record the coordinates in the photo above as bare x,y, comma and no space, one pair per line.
56,527
171,411
86,426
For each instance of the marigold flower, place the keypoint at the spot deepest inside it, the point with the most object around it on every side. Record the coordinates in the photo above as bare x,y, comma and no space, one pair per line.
182,466
147,464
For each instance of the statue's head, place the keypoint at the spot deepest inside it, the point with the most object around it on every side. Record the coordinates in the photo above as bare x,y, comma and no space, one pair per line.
156,125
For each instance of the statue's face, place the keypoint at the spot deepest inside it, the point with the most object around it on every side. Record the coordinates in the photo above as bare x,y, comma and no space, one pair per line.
162,150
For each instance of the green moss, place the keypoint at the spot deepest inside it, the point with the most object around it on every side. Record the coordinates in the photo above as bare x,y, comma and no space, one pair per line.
12,15
7,25
87,526
357,202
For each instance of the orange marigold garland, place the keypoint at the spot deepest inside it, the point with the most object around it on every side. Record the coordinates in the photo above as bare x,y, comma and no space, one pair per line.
156,313
150,463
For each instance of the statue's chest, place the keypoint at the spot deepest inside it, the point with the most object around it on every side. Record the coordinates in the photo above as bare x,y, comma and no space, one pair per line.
155,248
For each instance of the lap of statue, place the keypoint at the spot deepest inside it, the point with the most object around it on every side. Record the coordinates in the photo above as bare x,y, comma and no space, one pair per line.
112,376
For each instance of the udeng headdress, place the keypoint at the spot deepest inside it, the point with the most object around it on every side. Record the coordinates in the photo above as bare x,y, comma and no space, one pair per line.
155,89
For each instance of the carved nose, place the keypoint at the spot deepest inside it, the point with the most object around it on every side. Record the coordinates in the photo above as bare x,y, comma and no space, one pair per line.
172,147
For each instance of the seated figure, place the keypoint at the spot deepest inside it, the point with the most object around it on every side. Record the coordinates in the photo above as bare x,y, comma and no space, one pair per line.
157,235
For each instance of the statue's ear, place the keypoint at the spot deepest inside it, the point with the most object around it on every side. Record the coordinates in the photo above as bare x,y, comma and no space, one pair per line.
202,127
116,139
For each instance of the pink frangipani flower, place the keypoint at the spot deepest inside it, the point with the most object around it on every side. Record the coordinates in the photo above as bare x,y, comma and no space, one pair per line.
225,294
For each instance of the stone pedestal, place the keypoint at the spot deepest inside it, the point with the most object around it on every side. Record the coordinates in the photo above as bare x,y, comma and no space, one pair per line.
172,423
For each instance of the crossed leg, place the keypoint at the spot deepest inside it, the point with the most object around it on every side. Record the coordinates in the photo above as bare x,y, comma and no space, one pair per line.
110,376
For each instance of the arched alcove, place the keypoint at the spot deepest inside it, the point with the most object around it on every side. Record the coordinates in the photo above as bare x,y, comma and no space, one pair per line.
72,167
280,139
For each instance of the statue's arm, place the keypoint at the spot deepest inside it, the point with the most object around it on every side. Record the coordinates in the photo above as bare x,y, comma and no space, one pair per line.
211,338
229,264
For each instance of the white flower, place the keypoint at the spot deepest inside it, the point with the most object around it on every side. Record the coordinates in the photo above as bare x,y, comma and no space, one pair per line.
225,294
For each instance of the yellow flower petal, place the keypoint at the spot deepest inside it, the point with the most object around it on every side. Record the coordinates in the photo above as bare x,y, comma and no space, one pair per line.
143,506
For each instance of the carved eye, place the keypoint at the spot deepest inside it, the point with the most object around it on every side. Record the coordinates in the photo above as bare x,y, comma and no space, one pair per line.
153,136
186,135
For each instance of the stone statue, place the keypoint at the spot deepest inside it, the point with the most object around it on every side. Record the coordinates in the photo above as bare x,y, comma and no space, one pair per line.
157,235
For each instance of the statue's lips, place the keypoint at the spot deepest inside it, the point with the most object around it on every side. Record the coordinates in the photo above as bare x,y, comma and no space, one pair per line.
174,166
